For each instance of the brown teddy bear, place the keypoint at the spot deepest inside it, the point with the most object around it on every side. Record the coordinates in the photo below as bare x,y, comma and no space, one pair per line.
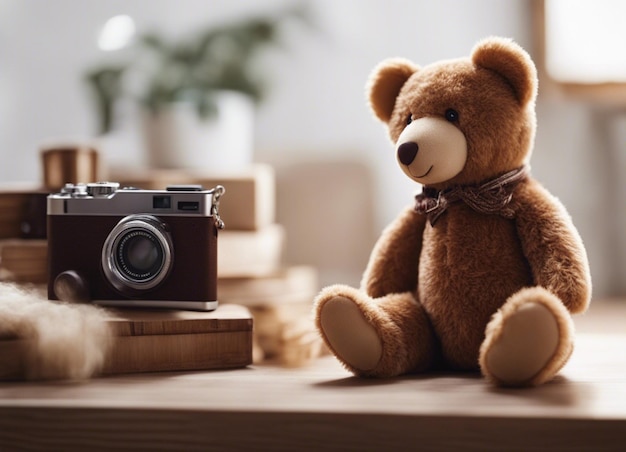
485,269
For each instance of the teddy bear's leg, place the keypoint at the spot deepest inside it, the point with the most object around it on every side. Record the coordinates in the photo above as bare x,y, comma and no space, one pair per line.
528,340
380,337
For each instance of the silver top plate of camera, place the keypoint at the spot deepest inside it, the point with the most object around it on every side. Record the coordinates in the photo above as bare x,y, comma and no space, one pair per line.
107,198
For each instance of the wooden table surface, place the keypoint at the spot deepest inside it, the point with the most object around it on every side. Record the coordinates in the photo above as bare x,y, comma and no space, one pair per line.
321,406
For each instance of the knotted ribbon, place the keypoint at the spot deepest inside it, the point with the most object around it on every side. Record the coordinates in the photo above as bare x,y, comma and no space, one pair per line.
491,197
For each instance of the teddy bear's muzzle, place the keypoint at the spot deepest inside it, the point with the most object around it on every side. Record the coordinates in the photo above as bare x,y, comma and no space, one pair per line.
431,150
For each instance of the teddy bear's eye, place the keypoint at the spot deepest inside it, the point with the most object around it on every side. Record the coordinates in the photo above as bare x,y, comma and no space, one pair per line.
409,119
452,115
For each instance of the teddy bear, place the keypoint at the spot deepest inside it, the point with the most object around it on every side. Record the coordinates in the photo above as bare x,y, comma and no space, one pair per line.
485,269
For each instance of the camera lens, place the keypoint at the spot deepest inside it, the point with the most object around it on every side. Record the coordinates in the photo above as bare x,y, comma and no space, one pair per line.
140,255
137,254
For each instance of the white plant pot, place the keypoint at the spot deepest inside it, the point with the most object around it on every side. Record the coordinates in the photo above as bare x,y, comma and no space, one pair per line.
176,137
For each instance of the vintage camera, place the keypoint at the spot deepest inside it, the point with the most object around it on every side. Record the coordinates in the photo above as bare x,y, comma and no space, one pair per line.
130,247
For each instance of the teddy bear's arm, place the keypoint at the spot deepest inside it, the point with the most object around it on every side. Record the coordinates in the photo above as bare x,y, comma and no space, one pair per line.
552,245
394,261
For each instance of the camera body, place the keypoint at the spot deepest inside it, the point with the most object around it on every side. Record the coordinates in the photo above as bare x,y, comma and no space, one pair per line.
136,248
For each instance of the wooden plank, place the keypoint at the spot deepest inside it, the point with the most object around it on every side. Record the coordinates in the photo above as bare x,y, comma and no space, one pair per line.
322,407
178,352
159,340
143,322
122,428
592,386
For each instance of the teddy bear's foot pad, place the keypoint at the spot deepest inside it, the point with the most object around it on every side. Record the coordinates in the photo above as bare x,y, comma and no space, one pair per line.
352,338
529,339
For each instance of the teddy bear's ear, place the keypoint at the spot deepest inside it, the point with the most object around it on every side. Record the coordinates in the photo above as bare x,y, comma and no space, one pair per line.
509,60
385,83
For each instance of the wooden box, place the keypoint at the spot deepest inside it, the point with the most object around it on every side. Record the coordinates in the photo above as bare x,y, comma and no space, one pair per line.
161,340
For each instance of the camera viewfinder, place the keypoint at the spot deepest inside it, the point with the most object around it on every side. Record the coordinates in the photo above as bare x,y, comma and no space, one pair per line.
161,202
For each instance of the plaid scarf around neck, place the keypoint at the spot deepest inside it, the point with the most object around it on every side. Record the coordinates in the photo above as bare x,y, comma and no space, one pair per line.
491,197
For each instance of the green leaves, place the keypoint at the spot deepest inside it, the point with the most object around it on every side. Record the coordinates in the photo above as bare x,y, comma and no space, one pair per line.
107,87
163,71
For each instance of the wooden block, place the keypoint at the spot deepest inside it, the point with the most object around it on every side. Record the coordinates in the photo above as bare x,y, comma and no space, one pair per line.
250,199
250,253
148,322
295,344
24,260
161,340
286,334
268,320
29,250
282,308
22,211
249,202
158,340
285,286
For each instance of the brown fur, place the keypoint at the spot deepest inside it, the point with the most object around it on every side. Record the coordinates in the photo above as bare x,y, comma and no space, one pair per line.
431,291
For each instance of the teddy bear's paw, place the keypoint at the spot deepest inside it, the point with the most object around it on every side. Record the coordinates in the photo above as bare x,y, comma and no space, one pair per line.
349,334
527,341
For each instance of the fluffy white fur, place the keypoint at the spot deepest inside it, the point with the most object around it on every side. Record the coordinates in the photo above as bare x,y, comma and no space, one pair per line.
62,340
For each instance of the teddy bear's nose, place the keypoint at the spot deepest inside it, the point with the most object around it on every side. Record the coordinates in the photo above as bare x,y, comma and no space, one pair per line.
407,152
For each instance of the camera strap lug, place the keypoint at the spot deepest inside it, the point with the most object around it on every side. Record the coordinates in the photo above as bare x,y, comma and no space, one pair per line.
218,191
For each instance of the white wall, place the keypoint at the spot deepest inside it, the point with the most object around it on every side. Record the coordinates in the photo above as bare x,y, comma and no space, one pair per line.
320,108
316,109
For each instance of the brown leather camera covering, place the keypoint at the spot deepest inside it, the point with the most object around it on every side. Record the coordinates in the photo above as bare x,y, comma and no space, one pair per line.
75,243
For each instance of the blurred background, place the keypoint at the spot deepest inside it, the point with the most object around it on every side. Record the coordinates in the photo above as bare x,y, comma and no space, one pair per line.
337,181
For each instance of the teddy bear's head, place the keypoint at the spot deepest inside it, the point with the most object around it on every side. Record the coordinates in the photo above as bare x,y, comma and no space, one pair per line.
459,121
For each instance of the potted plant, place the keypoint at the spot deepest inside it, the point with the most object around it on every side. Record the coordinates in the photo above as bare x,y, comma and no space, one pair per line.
197,94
